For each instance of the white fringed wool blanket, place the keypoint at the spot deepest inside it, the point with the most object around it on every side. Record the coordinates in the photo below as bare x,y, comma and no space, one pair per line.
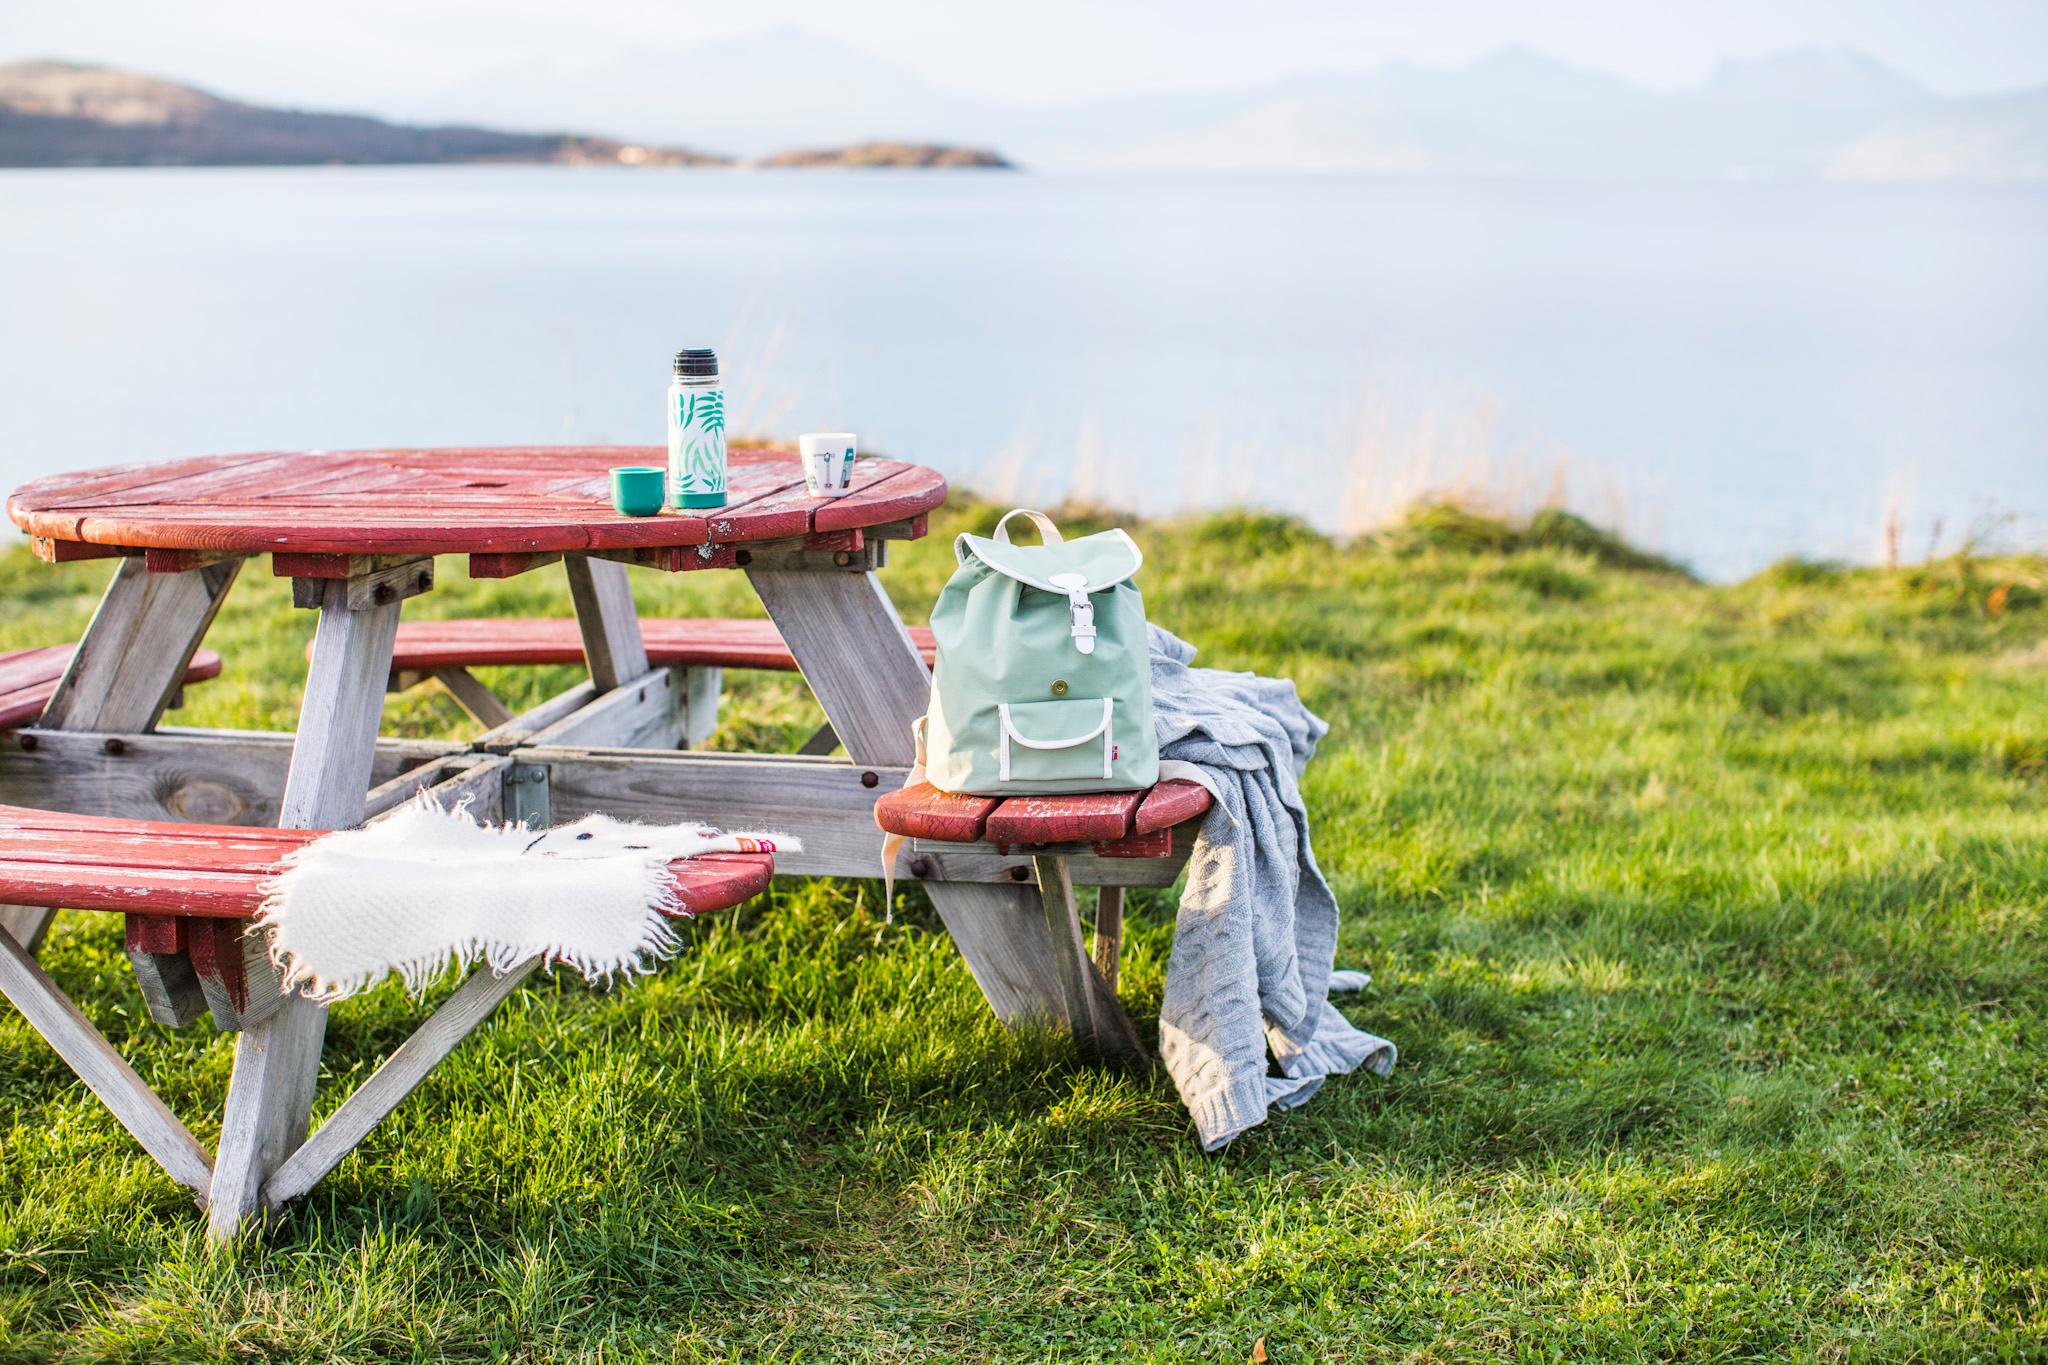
425,888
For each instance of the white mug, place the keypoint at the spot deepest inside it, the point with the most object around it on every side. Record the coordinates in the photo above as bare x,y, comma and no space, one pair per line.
828,458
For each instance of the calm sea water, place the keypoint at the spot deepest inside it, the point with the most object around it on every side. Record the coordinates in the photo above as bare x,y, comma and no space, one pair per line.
1732,372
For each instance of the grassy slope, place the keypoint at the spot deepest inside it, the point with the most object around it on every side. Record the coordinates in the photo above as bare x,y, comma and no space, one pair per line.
1709,921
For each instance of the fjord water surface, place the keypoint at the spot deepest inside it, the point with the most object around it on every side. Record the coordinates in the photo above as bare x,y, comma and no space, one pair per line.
1734,372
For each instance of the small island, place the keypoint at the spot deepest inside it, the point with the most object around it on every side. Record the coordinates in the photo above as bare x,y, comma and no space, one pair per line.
67,114
868,155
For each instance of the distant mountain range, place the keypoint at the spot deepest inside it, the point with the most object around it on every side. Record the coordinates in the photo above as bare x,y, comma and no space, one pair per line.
1807,115
65,114
1816,114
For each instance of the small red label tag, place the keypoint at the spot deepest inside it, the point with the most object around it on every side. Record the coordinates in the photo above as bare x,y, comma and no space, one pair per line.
1115,752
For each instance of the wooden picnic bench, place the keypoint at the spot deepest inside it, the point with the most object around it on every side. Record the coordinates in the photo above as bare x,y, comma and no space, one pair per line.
29,678
187,891
1050,829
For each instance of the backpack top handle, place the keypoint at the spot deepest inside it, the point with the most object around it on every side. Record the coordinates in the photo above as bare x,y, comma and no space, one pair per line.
1047,532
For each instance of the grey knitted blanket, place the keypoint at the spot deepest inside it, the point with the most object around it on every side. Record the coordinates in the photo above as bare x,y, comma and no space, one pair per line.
1257,932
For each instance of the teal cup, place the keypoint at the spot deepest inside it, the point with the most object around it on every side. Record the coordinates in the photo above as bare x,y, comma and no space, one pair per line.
637,489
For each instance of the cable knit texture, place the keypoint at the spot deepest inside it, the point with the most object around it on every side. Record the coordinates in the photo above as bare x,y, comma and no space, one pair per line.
1257,931
425,888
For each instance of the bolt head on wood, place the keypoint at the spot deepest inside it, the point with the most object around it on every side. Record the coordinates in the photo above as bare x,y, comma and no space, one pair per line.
871,780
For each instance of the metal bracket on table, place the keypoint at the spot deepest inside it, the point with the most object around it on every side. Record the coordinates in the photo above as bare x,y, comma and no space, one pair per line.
526,795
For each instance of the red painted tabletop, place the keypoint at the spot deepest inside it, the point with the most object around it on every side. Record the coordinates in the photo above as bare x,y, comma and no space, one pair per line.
465,501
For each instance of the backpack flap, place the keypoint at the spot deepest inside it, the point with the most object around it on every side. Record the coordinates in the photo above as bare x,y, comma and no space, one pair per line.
1073,569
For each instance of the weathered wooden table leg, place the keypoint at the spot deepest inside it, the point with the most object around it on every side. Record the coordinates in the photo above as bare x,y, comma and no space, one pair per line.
610,623
1069,955
1095,1016
277,1060
869,678
1109,932
608,619
130,662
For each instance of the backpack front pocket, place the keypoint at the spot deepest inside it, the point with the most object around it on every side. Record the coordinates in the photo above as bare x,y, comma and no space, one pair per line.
1055,741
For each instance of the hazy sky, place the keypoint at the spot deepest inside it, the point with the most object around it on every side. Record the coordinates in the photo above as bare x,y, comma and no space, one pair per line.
388,55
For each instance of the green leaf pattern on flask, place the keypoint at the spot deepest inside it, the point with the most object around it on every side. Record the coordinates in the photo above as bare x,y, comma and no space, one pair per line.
702,419
710,410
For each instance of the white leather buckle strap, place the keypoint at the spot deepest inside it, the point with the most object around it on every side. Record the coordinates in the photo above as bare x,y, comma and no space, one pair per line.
1080,609
1012,734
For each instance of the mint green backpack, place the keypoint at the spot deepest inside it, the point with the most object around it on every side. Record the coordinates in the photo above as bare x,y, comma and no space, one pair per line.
1044,679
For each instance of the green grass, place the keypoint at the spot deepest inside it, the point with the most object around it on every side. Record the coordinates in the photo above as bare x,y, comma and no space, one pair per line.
1709,920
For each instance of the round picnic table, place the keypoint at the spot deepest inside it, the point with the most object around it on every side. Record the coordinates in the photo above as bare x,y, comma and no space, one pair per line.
482,500
357,533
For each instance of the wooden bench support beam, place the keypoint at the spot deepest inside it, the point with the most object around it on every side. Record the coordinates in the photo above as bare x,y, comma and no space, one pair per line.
401,1073
522,728
231,961
210,777
157,951
104,1070
645,713
27,925
479,701
472,781
1116,1037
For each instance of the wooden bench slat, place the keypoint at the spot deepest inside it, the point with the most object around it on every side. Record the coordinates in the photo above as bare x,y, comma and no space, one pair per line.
130,850
80,862
36,819
922,811
423,646
719,881
1170,804
132,890
29,667
1062,819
